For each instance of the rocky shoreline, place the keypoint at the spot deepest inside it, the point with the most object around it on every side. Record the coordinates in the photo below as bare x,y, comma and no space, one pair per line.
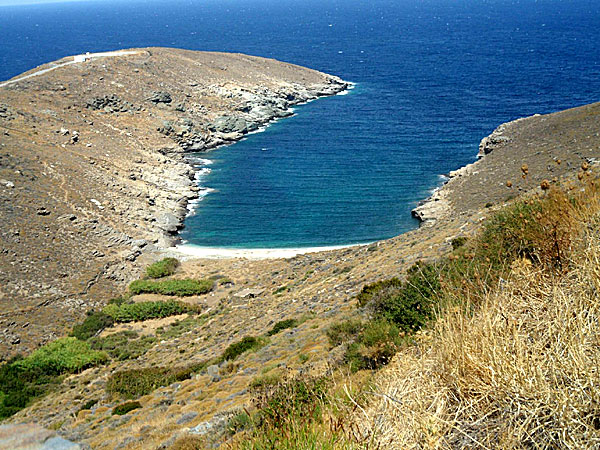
253,112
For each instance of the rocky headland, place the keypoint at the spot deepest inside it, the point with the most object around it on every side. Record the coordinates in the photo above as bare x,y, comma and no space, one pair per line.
93,170
515,158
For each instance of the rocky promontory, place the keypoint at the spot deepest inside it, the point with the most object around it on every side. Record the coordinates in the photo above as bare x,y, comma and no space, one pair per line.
515,158
93,170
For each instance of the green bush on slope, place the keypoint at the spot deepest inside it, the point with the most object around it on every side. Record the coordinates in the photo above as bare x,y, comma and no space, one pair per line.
93,323
178,288
136,312
162,268
23,379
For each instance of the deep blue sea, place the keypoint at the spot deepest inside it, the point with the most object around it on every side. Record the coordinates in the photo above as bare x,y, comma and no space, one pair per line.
432,78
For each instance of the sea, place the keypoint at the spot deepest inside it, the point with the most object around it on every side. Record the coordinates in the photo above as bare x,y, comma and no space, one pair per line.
432,77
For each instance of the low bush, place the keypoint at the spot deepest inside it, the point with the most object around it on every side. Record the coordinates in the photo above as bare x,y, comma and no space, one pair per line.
382,288
281,289
65,355
239,422
123,345
458,242
299,398
162,268
375,346
282,325
345,331
88,405
541,229
136,312
95,322
413,304
124,408
118,301
135,383
262,381
178,288
179,327
18,386
24,379
237,348
189,442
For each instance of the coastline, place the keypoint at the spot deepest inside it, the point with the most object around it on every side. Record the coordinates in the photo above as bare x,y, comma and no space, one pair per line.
187,251
438,205
200,162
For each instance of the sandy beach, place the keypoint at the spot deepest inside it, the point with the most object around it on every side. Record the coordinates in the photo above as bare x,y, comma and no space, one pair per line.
194,251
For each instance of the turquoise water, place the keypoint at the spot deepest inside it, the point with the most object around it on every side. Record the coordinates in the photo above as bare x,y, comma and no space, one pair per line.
432,78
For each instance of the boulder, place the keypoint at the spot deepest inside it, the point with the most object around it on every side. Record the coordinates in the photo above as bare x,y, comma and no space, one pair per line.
31,436
229,124
160,97
168,222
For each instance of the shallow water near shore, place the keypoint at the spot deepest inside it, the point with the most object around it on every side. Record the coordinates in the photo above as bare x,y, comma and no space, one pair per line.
433,78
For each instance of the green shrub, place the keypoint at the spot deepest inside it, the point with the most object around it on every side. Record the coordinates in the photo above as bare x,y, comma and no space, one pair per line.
19,386
458,242
65,355
412,305
237,348
118,301
262,381
24,379
375,346
88,405
509,234
124,408
281,289
162,268
382,288
179,288
135,383
282,325
341,332
136,312
178,327
241,421
95,322
123,345
299,398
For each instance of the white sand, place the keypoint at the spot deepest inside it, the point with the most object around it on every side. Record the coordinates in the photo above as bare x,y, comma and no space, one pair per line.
250,253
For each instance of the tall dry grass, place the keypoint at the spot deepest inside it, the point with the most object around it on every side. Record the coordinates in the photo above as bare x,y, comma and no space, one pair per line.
520,370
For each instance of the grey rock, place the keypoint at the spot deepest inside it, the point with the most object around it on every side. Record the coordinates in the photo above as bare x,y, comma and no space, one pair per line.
160,97
110,104
33,437
187,417
229,124
168,222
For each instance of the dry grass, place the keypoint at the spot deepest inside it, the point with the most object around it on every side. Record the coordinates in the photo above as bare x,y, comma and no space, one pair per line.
520,371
